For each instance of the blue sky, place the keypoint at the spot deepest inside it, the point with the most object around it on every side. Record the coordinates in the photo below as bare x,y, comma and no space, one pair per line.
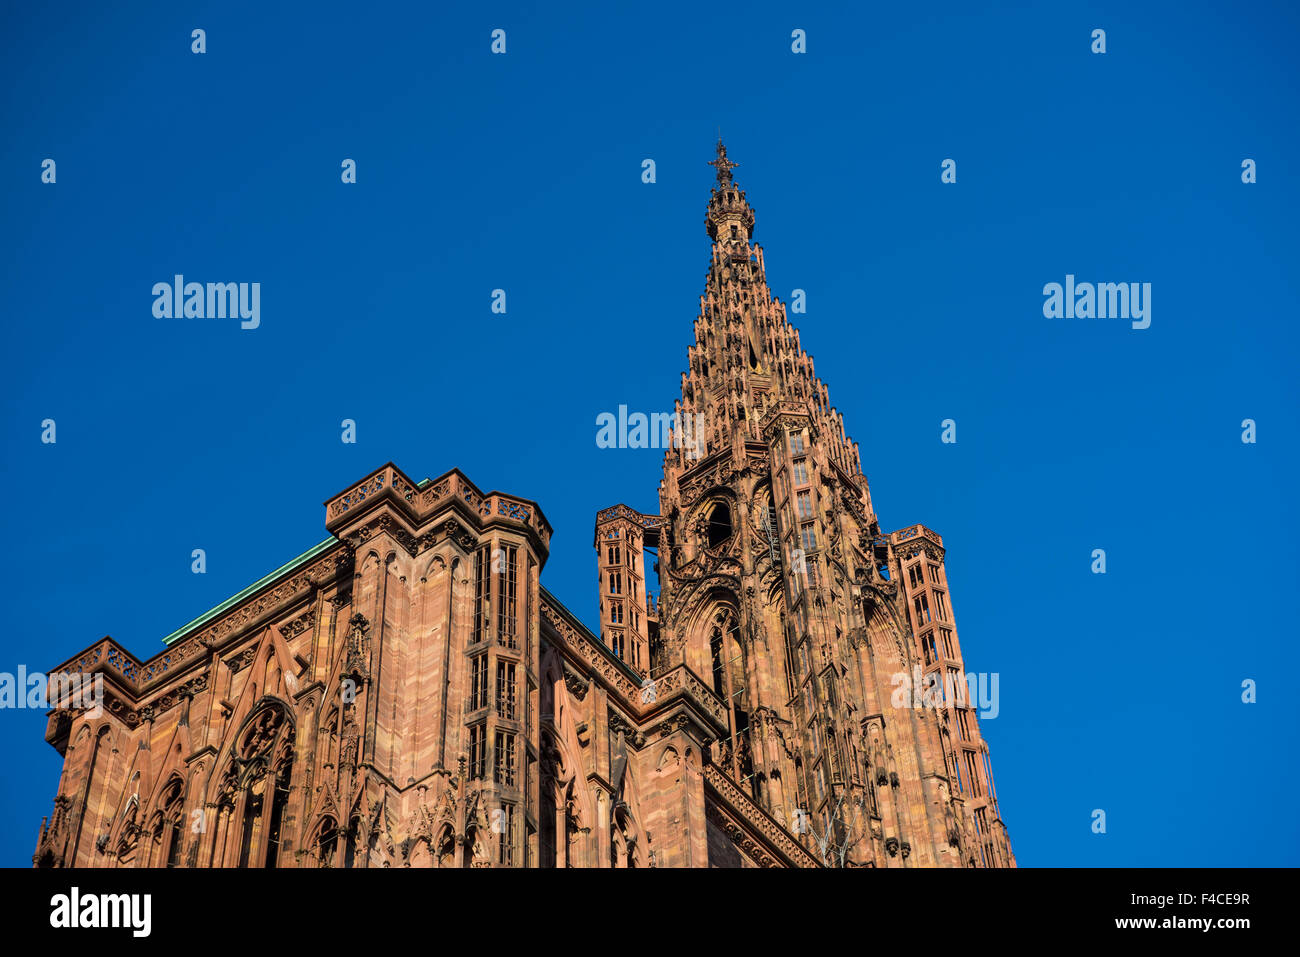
523,172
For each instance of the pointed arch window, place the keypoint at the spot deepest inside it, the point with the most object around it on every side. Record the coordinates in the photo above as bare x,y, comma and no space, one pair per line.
255,792
168,833
327,842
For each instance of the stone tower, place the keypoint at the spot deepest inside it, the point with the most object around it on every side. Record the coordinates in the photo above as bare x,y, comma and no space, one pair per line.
831,642
407,693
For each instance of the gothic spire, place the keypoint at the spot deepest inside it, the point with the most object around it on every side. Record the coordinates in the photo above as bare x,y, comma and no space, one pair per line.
747,360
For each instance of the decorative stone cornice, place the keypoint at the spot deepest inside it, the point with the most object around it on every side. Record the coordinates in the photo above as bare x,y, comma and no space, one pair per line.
577,685
669,689
908,541
237,662
681,681
781,418
297,626
599,661
631,514
416,503
752,828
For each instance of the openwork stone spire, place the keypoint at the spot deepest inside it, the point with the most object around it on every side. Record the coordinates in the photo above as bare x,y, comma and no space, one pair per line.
779,589
747,360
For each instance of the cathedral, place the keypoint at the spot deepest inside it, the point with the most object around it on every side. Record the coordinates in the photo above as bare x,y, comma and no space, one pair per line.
407,694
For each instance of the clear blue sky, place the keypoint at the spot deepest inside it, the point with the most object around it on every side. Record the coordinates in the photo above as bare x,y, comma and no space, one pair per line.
523,172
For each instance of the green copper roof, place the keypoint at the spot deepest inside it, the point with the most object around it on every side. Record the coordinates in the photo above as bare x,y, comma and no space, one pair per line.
234,600
315,550
262,582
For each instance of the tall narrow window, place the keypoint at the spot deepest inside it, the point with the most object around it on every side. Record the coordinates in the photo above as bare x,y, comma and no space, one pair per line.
810,565
350,847
478,683
808,534
528,600
252,820
505,845
279,798
174,848
506,689
327,843
972,771
547,832
719,674
482,560
504,772
477,751
173,802
796,443
922,609
800,468
805,504
956,687
506,601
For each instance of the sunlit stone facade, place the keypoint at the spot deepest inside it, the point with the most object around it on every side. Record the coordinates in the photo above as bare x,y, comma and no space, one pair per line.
407,694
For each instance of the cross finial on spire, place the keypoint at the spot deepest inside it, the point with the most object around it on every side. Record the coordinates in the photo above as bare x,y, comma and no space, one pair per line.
723,165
